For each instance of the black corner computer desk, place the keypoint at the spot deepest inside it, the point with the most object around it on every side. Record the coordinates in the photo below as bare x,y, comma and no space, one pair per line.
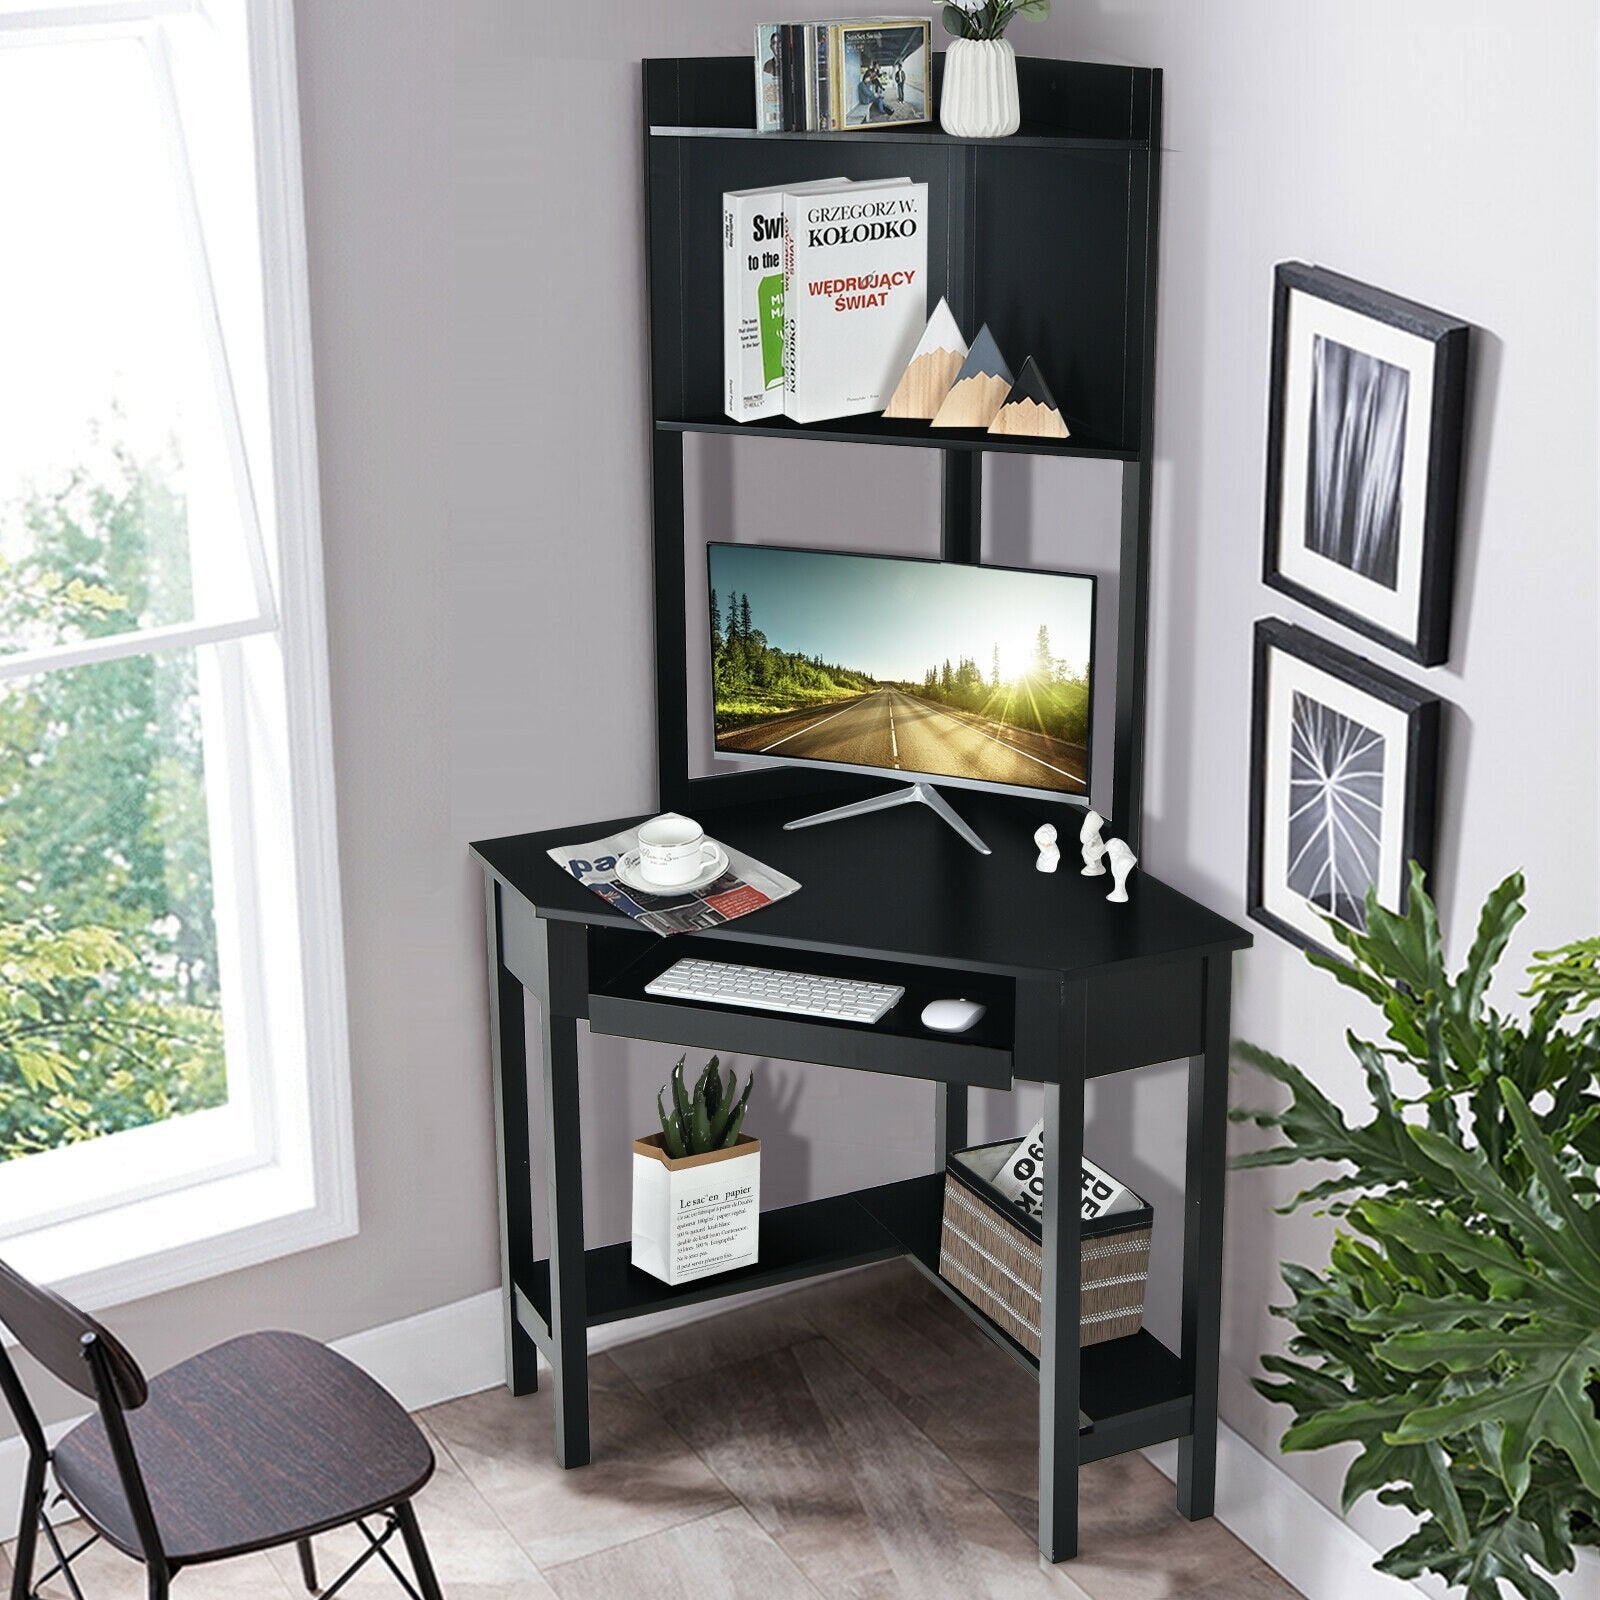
1075,988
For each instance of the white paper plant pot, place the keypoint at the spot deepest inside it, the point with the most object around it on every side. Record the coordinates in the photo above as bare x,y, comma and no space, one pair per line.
697,1215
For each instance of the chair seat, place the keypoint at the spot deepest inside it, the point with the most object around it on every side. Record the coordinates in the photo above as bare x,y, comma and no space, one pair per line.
261,1440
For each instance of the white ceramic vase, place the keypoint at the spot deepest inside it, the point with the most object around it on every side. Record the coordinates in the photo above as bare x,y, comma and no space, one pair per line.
979,97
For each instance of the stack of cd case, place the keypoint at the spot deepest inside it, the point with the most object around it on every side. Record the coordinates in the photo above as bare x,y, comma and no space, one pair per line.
842,75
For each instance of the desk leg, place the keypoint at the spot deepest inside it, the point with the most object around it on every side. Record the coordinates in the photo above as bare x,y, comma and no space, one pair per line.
508,1044
1059,1353
1206,1165
564,1179
949,1121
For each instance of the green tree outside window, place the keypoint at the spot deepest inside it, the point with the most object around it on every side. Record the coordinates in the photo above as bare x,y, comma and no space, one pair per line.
110,1005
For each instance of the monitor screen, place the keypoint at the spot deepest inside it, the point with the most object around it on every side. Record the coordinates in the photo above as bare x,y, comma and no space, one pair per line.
979,676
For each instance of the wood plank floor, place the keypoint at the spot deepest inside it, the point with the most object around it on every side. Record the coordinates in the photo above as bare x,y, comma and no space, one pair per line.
856,1438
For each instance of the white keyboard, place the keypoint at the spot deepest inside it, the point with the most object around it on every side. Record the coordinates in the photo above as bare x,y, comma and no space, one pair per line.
803,994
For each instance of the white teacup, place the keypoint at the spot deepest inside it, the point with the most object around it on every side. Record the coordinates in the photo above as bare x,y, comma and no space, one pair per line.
674,849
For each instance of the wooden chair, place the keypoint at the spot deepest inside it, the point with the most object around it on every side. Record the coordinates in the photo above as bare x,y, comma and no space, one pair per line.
259,1442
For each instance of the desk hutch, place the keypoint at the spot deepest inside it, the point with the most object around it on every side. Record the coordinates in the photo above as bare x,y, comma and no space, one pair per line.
1050,237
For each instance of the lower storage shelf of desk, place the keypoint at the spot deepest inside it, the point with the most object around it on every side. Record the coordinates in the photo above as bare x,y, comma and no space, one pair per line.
1131,1394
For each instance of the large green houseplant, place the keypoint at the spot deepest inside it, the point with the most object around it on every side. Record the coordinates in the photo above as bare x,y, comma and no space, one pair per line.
1454,1334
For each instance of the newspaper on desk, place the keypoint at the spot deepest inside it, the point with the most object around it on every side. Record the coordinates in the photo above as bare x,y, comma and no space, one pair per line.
745,885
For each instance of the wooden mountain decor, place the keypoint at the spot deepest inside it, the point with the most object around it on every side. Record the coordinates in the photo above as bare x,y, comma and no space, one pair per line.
980,388
1030,408
932,368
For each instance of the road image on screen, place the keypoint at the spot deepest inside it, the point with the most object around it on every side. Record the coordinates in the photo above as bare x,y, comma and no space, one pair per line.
979,675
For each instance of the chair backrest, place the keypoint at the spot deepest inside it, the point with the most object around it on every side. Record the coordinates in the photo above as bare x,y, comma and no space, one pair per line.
83,1355
53,1330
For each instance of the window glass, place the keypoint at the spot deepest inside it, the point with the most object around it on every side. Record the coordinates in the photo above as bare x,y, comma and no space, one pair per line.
108,370
117,517
110,997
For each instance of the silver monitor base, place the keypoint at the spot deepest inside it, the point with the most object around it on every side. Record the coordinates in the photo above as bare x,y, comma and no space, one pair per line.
924,793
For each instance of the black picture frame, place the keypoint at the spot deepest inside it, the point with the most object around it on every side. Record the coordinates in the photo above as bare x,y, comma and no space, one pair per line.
1425,635
1422,713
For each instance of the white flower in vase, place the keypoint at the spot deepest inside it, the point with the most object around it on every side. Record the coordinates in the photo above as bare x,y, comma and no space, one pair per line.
988,19
979,99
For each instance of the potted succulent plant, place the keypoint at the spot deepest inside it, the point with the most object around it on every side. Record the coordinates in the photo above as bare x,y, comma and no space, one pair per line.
697,1182
1454,1333
979,97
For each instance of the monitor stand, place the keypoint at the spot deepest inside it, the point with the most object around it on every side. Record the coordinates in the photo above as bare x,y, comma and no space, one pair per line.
925,793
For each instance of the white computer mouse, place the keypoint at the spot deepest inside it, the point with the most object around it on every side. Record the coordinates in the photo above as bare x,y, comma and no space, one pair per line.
951,1016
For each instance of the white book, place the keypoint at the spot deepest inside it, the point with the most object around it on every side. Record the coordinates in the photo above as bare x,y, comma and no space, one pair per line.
752,299
1021,1181
855,296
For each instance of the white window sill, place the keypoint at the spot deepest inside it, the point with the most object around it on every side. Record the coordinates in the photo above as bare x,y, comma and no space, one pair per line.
160,1241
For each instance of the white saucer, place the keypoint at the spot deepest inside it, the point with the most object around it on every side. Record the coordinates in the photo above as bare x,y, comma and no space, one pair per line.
628,871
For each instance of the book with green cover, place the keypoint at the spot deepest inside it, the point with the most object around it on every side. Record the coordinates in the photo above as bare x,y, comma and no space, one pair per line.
752,299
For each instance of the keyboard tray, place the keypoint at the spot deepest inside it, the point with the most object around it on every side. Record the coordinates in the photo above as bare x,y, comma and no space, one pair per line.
897,1043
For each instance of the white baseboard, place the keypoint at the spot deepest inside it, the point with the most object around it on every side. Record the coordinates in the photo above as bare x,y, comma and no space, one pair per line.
1290,1529
436,1356
1311,1546
455,1350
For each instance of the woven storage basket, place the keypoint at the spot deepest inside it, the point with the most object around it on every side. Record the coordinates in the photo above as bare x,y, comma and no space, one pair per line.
990,1251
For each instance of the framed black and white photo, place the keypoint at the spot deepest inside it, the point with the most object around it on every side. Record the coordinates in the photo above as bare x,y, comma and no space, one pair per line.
1343,792
1364,448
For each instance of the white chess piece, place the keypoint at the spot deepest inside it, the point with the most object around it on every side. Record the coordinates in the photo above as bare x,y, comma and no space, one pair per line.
1093,845
1123,861
1049,853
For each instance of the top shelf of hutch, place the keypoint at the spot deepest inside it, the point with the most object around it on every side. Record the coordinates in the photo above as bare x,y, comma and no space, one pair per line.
1027,138
1066,105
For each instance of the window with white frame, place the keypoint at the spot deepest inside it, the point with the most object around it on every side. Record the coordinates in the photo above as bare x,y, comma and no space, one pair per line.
173,1081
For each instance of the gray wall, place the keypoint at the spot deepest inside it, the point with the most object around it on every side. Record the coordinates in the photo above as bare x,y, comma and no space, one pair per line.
1412,148
475,223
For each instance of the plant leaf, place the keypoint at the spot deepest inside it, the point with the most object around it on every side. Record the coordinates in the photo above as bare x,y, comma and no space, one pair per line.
1422,1312
700,1126
1568,978
1356,1421
1546,1399
1441,1233
1424,1468
1501,913
1569,1262
1577,1222
736,1121
671,1131
725,1110
680,1095
1497,1550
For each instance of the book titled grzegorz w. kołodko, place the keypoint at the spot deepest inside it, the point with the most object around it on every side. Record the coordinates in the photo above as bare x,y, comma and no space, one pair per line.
855,297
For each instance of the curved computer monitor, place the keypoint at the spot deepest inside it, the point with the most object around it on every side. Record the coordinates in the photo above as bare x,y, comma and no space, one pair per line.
915,669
